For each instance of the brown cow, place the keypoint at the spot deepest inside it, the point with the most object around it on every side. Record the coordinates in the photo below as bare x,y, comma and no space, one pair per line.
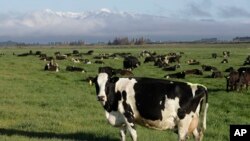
232,81
244,79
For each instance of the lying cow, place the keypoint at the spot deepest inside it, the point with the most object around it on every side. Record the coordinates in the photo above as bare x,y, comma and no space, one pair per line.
155,103
131,63
73,68
176,75
194,71
51,66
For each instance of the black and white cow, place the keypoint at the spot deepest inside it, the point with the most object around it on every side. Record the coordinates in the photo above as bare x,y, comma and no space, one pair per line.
154,103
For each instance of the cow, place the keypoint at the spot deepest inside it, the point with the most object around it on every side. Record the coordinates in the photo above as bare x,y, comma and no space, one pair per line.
73,68
124,72
214,55
51,66
241,69
131,62
75,52
149,59
244,79
226,54
224,61
90,52
171,68
194,71
208,68
155,103
109,70
61,57
232,80
246,62
216,74
176,75
99,62
229,69
193,62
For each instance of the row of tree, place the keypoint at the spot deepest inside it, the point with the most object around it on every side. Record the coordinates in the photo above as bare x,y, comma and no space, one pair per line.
126,41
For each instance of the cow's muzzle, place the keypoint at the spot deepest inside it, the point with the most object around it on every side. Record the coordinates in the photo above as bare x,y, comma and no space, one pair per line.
100,98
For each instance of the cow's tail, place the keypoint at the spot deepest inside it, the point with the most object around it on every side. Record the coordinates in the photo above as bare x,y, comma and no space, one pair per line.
204,118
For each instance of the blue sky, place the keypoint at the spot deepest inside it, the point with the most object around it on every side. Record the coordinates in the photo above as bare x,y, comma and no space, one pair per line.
163,19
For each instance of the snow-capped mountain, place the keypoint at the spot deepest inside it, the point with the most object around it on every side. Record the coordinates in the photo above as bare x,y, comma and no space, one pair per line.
104,23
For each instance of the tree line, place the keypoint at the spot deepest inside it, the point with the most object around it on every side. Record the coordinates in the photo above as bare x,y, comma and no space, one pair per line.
126,41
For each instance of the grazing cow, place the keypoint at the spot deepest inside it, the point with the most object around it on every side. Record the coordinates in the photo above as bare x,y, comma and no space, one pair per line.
73,68
176,75
244,79
194,71
154,103
232,81
131,62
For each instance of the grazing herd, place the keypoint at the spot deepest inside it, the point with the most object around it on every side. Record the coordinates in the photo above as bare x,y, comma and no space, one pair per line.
155,103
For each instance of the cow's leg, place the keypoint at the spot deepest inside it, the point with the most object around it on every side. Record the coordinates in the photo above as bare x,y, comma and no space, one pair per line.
123,131
129,119
197,135
183,127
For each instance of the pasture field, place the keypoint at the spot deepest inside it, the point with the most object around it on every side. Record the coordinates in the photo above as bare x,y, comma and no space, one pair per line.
38,105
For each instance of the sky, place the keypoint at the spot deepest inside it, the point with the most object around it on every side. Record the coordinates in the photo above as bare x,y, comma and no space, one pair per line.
103,20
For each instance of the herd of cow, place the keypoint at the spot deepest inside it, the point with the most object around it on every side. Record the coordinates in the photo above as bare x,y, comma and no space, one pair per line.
155,103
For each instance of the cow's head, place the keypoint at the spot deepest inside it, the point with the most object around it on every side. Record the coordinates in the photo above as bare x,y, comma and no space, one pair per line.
105,89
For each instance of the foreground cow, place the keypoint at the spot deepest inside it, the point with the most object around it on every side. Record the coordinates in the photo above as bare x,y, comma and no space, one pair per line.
155,103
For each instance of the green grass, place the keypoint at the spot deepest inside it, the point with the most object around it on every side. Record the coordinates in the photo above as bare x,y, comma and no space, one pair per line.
40,105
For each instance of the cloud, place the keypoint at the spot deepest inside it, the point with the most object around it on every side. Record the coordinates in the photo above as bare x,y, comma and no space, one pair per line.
105,24
233,12
196,10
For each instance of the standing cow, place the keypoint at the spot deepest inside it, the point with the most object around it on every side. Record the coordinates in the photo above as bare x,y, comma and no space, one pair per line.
154,103
232,81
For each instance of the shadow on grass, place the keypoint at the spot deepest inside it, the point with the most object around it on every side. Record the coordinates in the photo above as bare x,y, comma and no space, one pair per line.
78,136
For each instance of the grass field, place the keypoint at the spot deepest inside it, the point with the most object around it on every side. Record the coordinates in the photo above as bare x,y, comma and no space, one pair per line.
40,105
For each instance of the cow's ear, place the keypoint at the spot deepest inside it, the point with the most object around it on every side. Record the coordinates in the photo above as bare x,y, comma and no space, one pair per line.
114,79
